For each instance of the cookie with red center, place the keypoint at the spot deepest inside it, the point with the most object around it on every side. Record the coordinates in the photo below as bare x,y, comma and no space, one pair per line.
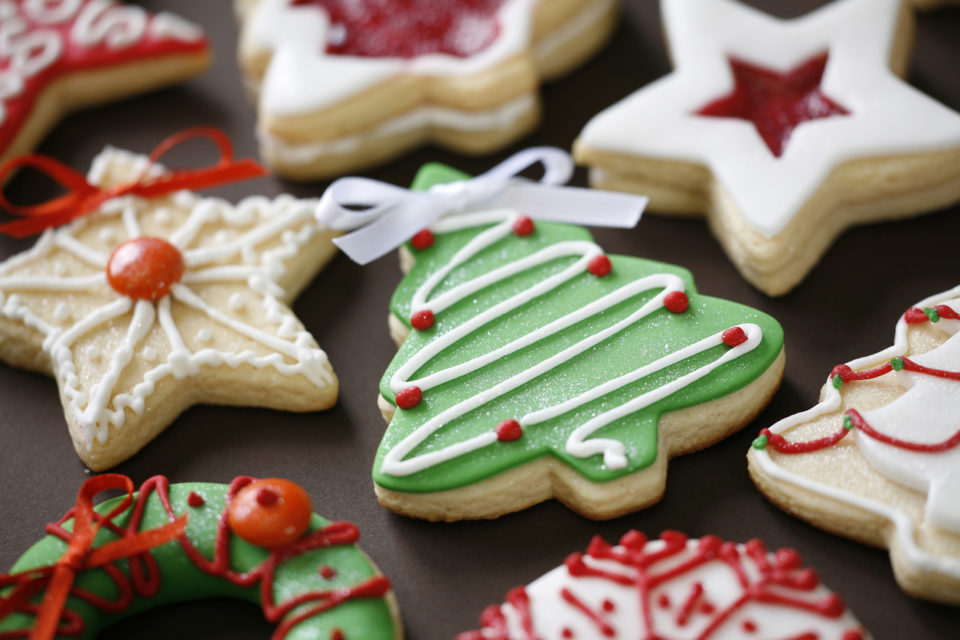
61,56
344,85
147,306
691,588
783,133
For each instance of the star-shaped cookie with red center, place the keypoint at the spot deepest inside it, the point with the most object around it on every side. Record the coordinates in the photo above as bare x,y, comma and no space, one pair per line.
150,305
344,85
783,133
63,55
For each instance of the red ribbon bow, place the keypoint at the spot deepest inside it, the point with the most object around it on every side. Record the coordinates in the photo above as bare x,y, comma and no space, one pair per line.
83,198
80,555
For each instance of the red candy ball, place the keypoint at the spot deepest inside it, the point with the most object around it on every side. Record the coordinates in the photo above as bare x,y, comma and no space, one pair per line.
509,430
422,240
676,302
409,398
270,512
733,336
422,320
600,266
145,268
523,226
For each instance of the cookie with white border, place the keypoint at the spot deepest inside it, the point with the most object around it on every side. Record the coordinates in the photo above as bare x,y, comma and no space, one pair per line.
150,305
345,85
673,588
56,57
782,132
878,459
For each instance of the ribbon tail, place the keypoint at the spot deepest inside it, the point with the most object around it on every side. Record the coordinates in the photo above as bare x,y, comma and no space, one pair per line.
137,543
573,205
390,231
48,617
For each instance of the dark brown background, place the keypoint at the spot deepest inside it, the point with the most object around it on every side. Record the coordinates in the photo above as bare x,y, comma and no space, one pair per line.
446,573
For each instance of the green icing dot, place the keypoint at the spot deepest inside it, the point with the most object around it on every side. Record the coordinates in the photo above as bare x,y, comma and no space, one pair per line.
932,314
837,381
897,364
760,442
847,422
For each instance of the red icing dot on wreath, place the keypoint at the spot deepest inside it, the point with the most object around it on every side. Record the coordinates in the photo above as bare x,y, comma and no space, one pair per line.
195,500
422,240
733,336
145,268
509,430
776,103
749,626
523,226
267,497
270,513
336,634
676,302
327,572
422,320
600,266
409,398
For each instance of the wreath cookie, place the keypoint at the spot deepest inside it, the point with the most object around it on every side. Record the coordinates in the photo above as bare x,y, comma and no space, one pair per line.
67,54
673,588
535,365
254,540
783,133
878,460
345,85
152,303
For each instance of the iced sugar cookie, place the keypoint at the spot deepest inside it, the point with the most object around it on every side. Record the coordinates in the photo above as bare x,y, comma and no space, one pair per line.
878,459
673,587
345,85
535,365
154,302
254,540
783,133
59,56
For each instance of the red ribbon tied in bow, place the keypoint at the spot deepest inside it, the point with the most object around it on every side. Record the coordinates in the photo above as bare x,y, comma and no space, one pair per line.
83,198
80,555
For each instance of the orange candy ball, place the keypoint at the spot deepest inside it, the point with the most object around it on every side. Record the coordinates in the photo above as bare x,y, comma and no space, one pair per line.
271,512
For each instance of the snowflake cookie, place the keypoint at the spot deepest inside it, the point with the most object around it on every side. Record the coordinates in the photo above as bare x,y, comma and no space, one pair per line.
60,55
344,85
895,481
671,589
148,306
782,132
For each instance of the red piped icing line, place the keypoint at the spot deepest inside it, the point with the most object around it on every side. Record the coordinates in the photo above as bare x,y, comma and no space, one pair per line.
144,578
857,421
769,582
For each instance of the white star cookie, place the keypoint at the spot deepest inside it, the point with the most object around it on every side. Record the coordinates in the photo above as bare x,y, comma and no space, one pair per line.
344,85
148,306
782,132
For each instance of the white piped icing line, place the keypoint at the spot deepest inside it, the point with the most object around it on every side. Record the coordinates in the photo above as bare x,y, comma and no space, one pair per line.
285,223
894,465
887,116
579,443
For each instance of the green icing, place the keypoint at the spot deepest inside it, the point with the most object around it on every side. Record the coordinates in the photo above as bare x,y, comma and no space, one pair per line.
182,581
643,342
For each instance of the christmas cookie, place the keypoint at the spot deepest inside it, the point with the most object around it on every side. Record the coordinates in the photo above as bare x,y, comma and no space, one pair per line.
344,85
64,55
673,587
536,360
877,459
254,540
782,132
158,299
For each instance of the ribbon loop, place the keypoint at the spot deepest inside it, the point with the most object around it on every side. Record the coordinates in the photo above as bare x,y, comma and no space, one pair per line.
382,216
83,198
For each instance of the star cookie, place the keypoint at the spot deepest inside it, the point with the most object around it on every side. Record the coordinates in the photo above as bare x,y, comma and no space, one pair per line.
64,55
345,85
148,306
878,459
782,132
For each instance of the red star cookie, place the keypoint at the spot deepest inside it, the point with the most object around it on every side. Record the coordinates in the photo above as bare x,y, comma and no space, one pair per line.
56,56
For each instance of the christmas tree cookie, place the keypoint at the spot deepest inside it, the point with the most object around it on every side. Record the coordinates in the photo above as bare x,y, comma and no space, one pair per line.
535,366
878,459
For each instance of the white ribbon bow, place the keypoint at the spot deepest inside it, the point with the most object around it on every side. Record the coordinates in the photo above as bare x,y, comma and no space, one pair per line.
384,216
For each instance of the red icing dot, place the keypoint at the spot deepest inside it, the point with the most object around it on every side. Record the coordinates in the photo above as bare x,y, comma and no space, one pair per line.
409,28
600,266
509,430
664,601
422,320
676,302
523,226
567,632
422,240
749,626
733,336
327,572
788,558
608,605
915,315
195,500
267,497
336,634
145,268
776,103
708,608
409,398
